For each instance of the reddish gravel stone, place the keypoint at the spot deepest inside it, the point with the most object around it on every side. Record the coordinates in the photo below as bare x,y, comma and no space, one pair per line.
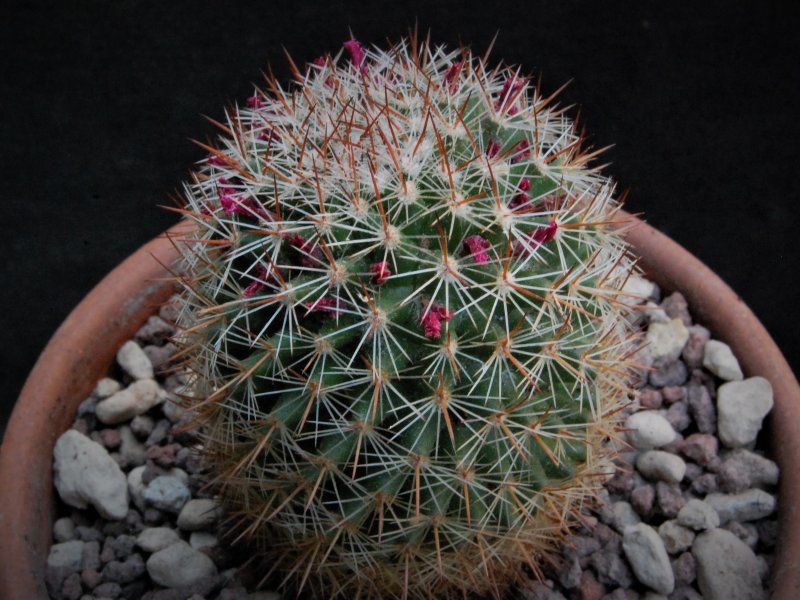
673,393
650,398
700,447
590,588
685,569
642,499
695,348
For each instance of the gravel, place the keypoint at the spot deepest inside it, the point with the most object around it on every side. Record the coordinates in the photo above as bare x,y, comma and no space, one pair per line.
690,512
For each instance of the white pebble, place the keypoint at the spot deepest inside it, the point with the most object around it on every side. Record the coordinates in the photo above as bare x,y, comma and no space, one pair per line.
106,387
719,359
666,340
741,408
661,466
648,429
646,554
623,516
136,399
638,289
84,473
134,361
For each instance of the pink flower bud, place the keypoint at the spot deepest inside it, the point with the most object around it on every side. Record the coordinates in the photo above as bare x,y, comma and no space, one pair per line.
451,77
255,102
492,148
357,54
380,272
522,151
432,320
325,305
477,246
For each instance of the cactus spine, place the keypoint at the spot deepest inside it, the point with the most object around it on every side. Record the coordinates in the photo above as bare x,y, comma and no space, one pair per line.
403,310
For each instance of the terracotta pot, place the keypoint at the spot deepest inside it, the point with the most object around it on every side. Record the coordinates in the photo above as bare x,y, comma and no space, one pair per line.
82,349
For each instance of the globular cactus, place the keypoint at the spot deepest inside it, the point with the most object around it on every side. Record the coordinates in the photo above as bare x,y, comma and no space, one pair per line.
403,309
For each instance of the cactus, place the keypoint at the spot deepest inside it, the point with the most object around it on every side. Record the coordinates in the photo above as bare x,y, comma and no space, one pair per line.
403,309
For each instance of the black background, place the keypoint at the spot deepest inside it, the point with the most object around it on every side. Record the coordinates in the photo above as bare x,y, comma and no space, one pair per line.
99,100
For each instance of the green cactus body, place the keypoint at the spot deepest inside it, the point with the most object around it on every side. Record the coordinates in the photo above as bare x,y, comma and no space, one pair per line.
404,313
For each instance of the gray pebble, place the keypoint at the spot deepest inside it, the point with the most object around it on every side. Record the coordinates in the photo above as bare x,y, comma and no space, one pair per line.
623,516
167,493
647,556
748,506
107,590
63,529
124,571
698,515
153,539
67,555
726,567
202,539
676,537
199,514
142,425
90,558
179,565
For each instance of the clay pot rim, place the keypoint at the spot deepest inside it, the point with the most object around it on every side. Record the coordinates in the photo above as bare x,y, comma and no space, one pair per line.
66,372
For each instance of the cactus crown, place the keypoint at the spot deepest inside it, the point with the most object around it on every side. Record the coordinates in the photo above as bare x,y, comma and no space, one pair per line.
402,307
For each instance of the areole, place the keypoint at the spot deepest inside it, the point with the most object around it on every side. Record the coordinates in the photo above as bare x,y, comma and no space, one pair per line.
84,346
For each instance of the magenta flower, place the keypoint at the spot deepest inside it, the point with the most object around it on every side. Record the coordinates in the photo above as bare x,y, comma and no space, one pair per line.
525,185
492,148
451,77
255,102
477,246
432,320
325,305
522,151
380,272
357,54
511,88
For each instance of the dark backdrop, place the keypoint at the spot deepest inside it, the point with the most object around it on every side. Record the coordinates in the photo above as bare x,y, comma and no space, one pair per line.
99,101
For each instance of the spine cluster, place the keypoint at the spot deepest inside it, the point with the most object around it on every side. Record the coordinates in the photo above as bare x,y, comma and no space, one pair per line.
403,311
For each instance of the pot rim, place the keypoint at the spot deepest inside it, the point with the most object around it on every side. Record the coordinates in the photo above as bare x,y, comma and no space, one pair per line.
66,372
